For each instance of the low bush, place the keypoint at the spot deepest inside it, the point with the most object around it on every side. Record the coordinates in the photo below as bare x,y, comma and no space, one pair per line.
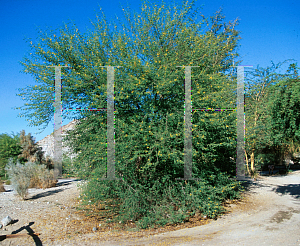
42,178
166,201
29,175
20,176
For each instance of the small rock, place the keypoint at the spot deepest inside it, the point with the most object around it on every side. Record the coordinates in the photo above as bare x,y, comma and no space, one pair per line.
94,229
6,221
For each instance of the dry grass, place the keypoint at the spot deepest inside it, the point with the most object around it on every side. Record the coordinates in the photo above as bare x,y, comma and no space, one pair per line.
43,182
2,189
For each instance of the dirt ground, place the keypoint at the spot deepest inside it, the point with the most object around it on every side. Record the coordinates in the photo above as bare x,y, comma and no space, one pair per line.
269,214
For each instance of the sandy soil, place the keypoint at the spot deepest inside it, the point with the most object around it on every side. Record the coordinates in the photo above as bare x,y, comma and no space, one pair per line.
268,215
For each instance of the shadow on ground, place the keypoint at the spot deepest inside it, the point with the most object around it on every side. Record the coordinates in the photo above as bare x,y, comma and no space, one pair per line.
45,194
37,240
289,189
62,182
251,184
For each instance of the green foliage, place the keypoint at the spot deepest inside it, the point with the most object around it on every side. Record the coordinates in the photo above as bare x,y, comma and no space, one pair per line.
9,148
149,53
149,121
68,168
155,204
19,147
266,113
285,113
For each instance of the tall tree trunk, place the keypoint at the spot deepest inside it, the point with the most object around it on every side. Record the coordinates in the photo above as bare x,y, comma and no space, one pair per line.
253,148
252,160
247,162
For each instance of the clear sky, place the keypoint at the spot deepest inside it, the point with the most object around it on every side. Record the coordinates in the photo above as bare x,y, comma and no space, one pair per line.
270,30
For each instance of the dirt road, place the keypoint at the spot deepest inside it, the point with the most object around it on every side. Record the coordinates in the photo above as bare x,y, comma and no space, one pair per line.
269,216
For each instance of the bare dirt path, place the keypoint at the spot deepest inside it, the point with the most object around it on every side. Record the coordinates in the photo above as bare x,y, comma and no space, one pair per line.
269,215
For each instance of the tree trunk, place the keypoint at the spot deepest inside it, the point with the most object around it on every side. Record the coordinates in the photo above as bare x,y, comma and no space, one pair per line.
252,151
247,162
252,160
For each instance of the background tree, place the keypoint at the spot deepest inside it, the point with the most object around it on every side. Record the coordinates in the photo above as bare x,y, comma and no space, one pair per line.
21,148
9,148
30,151
285,116
258,93
149,99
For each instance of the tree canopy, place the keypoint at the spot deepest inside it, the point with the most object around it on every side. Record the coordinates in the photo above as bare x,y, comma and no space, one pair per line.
149,103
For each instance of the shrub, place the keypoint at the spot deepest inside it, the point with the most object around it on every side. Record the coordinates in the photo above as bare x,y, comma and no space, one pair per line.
42,177
29,175
20,176
166,201
47,179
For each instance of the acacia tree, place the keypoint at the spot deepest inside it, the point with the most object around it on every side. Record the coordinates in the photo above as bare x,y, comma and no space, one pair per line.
149,96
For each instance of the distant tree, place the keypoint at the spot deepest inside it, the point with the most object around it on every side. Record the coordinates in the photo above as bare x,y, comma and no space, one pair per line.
21,148
30,150
9,148
284,107
257,97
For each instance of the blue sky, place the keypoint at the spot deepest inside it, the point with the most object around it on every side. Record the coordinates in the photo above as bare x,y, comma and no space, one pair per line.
270,30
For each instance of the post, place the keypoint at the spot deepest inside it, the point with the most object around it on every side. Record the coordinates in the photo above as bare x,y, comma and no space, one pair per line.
240,127
57,124
188,153
110,126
